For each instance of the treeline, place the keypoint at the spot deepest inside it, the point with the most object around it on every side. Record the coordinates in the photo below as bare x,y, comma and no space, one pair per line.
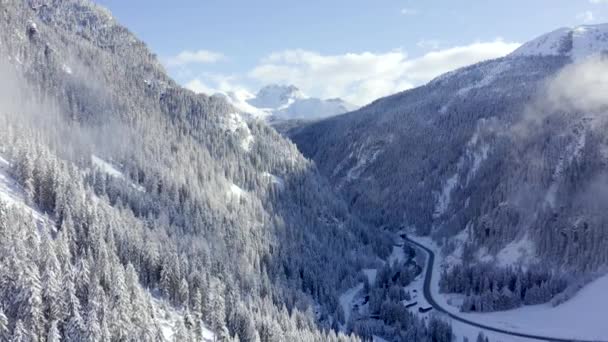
488,288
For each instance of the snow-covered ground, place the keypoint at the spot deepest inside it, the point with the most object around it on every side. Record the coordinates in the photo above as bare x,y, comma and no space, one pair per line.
443,201
578,43
236,124
347,298
12,194
112,171
235,192
168,316
582,317
280,182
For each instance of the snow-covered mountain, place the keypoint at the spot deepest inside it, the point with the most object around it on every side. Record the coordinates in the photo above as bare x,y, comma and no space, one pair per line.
277,96
134,209
507,152
576,42
286,102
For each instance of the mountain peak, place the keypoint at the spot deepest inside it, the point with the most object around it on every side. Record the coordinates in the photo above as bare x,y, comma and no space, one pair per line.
576,42
276,96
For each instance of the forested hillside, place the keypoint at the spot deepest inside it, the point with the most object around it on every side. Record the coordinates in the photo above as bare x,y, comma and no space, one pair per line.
158,214
503,162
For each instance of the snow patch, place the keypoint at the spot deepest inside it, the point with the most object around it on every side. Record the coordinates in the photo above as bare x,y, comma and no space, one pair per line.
443,202
13,194
346,301
237,125
168,315
520,252
112,171
572,152
66,68
577,43
275,180
234,191
106,167
489,74
370,273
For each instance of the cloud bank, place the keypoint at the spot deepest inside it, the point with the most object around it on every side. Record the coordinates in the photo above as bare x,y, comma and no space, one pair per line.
362,77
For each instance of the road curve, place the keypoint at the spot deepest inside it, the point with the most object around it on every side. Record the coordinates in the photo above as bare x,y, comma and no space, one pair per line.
428,295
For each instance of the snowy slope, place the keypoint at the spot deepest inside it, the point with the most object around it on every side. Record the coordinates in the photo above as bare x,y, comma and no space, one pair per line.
276,96
168,316
12,194
112,171
578,42
581,317
278,102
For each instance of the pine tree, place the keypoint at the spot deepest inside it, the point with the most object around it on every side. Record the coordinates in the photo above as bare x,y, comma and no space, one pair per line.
53,334
180,334
20,333
184,294
4,329
75,325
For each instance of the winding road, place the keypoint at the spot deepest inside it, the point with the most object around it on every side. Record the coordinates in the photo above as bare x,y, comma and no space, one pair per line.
429,297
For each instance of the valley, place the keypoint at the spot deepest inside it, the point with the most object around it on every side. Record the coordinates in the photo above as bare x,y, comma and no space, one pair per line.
151,196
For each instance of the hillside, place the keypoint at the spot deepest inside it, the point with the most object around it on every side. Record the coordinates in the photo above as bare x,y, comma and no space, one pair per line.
166,214
502,162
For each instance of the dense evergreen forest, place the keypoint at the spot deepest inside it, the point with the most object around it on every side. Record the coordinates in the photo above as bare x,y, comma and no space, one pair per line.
140,211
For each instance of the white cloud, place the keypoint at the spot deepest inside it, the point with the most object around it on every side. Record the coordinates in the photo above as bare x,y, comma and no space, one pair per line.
409,11
362,77
194,57
598,1
586,17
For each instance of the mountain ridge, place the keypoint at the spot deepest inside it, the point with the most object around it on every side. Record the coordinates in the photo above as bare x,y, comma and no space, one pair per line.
448,156
276,103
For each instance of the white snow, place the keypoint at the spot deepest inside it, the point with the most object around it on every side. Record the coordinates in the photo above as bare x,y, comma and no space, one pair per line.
66,68
237,125
112,171
168,315
578,43
346,300
278,102
490,73
370,273
13,194
364,154
571,152
443,201
106,167
234,191
276,96
280,182
582,317
398,254
519,252
477,151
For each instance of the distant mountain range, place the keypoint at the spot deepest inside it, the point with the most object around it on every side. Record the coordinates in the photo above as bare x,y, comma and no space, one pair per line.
286,102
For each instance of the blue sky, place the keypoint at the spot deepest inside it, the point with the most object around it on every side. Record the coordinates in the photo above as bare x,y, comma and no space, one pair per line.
355,49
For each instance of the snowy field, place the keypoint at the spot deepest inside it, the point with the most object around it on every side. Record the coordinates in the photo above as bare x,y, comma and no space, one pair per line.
582,317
